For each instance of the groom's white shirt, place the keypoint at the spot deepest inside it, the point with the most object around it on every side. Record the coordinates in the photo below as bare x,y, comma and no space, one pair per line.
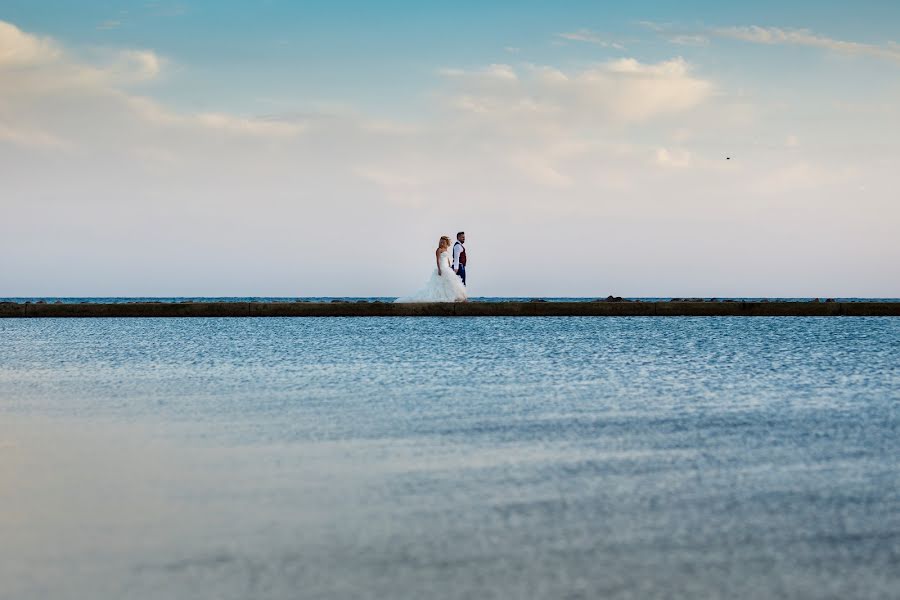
458,247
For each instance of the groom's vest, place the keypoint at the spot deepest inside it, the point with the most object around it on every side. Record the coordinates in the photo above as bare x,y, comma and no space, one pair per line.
462,255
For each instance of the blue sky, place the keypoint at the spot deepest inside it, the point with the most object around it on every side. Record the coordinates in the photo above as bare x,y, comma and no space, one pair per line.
247,57
531,120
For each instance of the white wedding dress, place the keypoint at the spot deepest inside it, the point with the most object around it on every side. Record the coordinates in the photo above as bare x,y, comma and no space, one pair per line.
446,287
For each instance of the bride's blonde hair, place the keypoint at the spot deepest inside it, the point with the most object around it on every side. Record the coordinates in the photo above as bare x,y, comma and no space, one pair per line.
444,241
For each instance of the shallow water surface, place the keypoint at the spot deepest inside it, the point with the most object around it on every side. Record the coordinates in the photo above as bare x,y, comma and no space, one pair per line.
450,458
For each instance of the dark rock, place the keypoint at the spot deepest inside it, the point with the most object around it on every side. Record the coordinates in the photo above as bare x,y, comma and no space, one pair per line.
338,301
41,302
774,308
537,300
829,300
814,300
615,299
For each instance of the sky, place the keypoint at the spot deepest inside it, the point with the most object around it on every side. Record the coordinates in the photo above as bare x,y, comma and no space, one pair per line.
288,148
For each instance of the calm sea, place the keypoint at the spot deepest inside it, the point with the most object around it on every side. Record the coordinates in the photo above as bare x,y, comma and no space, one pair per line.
450,458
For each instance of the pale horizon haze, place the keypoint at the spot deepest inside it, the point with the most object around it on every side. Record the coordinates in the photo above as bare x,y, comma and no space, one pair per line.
277,148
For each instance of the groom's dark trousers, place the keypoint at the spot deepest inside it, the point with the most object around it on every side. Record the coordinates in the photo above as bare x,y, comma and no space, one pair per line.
462,273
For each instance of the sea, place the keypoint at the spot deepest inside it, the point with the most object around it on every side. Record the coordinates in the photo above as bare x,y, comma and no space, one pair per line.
450,458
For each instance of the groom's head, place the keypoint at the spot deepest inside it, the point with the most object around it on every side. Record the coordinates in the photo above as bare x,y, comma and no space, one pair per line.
461,236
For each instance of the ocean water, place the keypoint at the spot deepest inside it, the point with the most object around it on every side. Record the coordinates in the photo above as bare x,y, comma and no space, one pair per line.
450,458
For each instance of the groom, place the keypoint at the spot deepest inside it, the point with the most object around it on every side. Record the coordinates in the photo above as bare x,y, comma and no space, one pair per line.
459,256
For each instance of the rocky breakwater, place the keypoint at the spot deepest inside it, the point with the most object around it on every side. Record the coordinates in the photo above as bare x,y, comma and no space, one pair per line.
608,307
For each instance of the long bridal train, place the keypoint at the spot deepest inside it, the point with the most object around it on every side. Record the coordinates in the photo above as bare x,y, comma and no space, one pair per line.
443,287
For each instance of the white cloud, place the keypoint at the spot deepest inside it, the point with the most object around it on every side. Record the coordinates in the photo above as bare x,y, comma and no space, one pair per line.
501,72
32,138
624,90
44,86
654,26
804,37
678,158
19,49
137,65
109,24
496,72
591,37
31,65
689,40
779,36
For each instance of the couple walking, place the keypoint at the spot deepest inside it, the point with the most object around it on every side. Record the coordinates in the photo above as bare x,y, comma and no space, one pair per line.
448,281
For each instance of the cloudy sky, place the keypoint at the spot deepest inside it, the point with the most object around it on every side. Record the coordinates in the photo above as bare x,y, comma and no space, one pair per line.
321,148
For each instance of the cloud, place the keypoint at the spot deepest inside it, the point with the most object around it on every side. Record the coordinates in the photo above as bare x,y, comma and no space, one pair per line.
19,49
151,112
499,72
544,123
777,36
43,86
30,64
804,37
109,24
138,65
624,90
591,37
31,138
673,158
689,40
654,26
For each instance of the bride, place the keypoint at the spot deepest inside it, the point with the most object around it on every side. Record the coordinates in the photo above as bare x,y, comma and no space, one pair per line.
444,285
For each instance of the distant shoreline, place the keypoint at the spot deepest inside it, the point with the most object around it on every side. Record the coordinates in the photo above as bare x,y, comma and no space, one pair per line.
513,308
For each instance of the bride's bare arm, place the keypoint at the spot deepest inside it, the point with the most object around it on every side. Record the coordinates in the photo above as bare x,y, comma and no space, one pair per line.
437,258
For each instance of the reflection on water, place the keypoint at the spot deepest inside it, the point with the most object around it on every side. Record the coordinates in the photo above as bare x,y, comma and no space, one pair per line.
449,458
